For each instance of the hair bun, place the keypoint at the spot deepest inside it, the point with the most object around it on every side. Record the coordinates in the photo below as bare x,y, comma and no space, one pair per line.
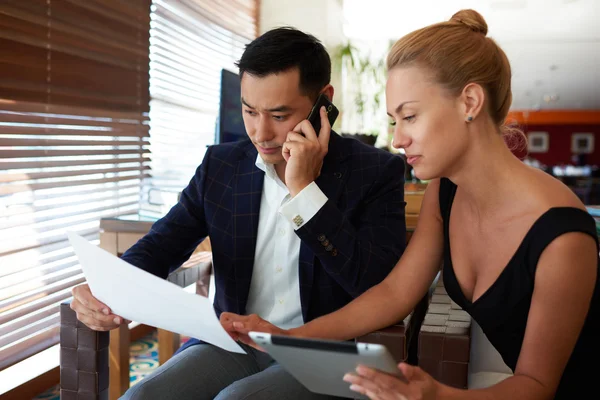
472,19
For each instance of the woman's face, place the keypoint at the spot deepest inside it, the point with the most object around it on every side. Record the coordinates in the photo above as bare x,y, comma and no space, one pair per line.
429,123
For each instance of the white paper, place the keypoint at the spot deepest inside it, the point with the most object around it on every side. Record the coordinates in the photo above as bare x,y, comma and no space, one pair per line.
137,295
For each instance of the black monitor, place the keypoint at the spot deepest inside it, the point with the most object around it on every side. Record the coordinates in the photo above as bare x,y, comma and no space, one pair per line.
230,125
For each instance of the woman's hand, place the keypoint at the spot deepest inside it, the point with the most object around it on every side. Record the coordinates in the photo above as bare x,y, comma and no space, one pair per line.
379,385
238,327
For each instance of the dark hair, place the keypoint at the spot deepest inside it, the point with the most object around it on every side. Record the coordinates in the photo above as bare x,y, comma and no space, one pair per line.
284,48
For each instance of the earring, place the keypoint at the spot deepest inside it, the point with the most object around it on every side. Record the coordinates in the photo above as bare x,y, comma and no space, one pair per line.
469,118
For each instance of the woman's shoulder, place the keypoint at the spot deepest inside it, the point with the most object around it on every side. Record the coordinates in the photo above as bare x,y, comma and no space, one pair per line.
558,211
548,192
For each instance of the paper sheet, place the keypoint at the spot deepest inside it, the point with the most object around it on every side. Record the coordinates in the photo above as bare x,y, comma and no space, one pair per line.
137,295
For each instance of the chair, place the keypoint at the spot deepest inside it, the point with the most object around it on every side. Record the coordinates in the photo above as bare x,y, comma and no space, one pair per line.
99,380
84,353
445,340
86,374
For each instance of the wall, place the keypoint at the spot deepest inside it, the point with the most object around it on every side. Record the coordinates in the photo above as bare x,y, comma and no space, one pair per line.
559,150
323,19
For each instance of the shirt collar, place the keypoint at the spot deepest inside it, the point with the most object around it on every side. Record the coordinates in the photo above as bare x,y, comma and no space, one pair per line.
269,170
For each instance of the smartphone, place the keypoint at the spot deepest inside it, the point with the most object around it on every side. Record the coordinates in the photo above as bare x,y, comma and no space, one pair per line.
315,116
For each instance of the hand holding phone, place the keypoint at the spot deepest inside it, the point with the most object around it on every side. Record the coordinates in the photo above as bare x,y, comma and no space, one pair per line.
306,146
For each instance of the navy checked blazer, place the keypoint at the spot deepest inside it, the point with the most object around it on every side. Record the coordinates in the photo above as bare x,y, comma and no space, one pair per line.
363,221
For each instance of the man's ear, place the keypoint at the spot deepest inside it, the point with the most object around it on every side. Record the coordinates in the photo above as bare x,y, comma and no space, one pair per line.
328,92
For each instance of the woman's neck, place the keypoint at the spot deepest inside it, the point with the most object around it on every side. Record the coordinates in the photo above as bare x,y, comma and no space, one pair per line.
487,173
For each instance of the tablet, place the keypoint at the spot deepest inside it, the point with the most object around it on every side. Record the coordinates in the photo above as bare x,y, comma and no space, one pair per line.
320,365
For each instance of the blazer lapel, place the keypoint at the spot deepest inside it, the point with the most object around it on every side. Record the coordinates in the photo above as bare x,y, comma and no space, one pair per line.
247,191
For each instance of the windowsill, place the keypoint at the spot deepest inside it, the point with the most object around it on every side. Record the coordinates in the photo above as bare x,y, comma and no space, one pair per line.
44,361
28,369
32,367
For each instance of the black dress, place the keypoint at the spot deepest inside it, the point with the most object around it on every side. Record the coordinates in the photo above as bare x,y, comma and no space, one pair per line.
503,309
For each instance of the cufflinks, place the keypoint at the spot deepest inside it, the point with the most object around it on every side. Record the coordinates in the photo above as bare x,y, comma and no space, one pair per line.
298,220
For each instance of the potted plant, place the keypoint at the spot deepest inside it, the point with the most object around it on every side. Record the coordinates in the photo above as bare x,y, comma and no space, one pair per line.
363,85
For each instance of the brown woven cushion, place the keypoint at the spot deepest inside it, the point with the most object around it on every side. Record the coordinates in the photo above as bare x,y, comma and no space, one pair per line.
395,338
83,359
445,340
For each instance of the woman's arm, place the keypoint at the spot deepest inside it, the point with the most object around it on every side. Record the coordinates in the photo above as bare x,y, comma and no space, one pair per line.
398,294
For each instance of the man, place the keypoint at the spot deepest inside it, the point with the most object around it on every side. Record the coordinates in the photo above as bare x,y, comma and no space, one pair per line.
300,224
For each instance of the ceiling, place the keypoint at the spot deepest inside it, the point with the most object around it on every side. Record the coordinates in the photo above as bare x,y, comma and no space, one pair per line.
553,45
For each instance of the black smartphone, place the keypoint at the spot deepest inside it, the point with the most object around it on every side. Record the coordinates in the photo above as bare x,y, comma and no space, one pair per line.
315,116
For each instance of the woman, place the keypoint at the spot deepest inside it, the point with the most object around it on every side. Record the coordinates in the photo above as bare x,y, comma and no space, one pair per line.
520,252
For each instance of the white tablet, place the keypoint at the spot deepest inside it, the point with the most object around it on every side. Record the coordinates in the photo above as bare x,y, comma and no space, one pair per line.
320,365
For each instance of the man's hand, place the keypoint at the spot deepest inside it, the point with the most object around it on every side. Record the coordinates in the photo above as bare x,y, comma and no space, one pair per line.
238,327
304,152
93,313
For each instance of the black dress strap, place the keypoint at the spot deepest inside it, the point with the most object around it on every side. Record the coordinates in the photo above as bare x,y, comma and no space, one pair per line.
553,223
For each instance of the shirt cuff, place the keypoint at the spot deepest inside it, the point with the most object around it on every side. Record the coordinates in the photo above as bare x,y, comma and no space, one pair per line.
304,205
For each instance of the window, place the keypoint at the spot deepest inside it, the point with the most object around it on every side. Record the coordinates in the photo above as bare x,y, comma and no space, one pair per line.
79,136
73,148
191,41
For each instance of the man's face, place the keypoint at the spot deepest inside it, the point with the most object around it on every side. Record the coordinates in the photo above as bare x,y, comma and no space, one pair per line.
272,106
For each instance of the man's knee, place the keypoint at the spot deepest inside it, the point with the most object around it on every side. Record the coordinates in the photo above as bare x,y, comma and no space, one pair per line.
142,390
272,384
168,380
242,390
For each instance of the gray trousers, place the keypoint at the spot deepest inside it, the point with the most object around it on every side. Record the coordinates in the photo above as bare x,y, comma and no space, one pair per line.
206,372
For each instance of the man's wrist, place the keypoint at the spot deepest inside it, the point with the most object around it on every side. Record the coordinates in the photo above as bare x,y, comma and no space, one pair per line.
304,206
296,187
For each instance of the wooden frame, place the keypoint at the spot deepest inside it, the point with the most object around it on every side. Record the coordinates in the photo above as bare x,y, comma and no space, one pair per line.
538,142
582,143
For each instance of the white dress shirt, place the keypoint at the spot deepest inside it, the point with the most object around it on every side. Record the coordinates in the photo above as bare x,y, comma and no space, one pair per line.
274,289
